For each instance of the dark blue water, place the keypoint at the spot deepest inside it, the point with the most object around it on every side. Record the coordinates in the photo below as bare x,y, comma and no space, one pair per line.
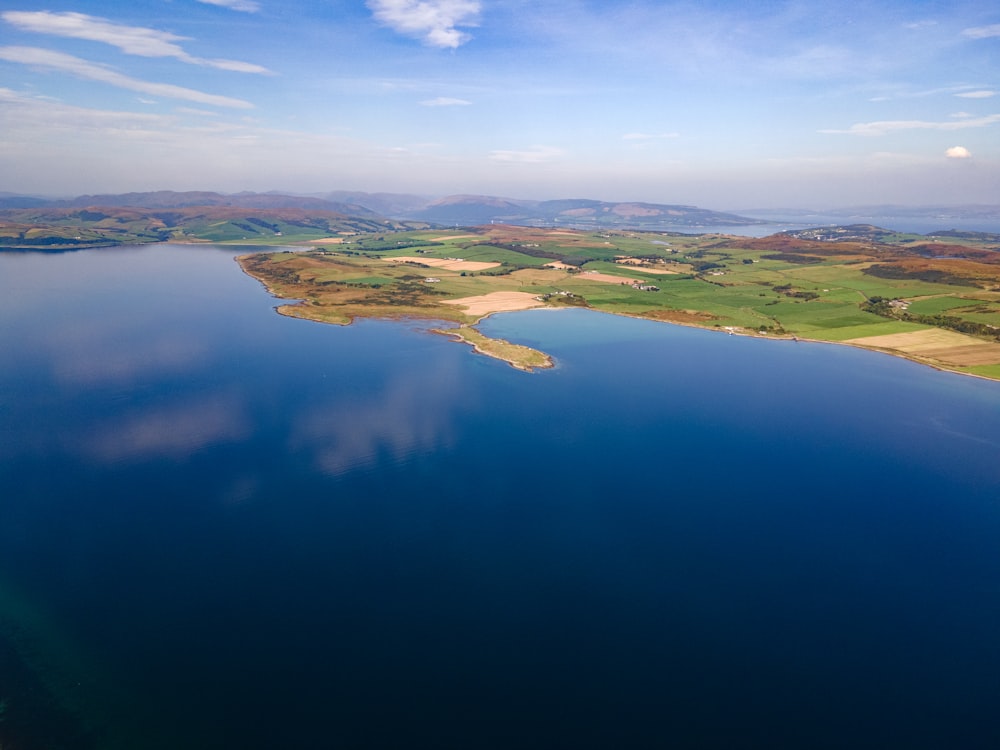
224,528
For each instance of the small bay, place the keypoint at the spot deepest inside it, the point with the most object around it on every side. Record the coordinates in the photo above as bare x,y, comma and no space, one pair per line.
220,527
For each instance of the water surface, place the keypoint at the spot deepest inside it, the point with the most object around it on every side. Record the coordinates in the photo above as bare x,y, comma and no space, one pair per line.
220,527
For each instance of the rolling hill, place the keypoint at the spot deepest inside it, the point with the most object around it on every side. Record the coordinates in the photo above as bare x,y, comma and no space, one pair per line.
579,213
60,228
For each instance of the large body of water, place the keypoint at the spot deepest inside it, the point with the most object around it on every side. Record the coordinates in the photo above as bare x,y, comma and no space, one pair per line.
224,528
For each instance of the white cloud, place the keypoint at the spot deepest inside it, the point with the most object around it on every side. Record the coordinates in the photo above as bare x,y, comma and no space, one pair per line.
43,58
958,152
982,32
977,94
534,155
132,40
247,6
445,101
434,21
889,126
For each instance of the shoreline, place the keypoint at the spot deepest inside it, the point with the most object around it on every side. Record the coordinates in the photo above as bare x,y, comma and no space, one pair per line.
794,339
518,360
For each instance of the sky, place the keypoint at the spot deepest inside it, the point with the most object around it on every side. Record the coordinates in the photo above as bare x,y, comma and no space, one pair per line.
722,104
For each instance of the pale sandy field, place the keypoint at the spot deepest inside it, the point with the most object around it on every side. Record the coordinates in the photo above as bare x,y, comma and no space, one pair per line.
948,347
606,277
446,264
494,302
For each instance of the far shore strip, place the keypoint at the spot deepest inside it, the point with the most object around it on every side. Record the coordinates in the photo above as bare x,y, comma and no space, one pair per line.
494,302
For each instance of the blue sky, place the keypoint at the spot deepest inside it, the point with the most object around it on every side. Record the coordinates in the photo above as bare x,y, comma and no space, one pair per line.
725,105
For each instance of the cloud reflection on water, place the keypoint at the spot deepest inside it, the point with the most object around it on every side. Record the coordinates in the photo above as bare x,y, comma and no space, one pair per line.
175,431
413,414
101,352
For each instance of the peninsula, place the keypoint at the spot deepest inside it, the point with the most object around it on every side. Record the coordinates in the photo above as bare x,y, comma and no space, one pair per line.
932,299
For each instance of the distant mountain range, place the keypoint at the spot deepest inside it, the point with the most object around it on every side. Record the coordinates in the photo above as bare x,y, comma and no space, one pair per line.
387,209
65,227
463,210
580,213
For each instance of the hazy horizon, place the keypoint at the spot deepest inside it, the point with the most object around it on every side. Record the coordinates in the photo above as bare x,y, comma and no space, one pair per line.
782,105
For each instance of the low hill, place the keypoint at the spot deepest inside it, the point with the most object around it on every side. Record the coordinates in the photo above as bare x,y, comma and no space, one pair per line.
60,228
172,199
474,210
460,210
384,204
846,233
580,213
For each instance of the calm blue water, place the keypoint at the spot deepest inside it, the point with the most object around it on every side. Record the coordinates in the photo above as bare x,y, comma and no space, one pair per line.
224,528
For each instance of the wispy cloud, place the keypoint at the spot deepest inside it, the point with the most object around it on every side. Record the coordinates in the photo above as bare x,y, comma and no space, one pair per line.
445,101
434,21
963,90
43,58
982,32
247,6
534,155
977,94
196,112
132,40
890,126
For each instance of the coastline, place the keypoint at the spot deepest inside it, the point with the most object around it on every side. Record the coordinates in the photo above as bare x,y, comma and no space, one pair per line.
530,360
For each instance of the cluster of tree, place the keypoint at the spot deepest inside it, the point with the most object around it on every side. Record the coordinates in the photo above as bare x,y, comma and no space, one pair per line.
788,291
931,275
705,265
537,252
796,258
383,243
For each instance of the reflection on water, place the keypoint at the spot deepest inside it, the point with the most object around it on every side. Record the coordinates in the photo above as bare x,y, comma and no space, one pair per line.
411,413
119,352
174,431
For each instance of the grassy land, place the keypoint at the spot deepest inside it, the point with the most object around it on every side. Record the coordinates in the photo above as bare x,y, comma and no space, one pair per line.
776,286
521,357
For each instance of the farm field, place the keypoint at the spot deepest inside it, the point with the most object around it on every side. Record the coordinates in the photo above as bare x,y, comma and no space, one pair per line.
868,294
